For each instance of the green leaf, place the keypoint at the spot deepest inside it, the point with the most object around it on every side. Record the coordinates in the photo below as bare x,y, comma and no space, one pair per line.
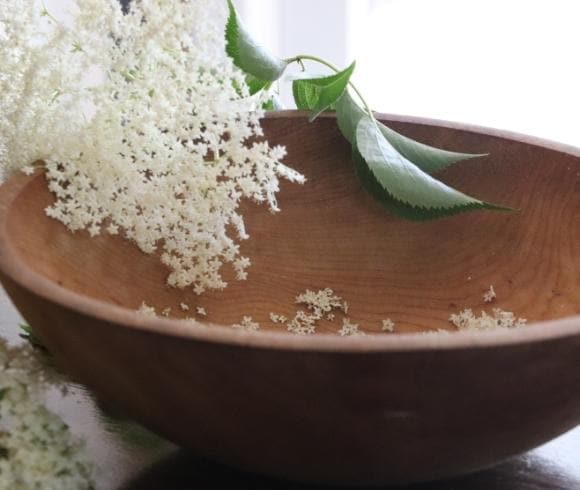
247,55
268,106
273,104
256,85
26,333
348,115
427,158
372,186
400,186
320,94
305,95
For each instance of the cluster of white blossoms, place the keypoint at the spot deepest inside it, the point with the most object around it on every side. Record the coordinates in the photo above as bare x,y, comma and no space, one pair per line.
247,325
350,329
36,64
321,305
144,125
467,321
37,449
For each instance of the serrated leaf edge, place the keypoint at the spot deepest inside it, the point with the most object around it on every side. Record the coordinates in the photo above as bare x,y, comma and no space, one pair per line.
413,212
347,106
436,210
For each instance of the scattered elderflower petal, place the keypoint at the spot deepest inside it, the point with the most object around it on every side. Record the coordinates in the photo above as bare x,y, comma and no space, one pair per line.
350,329
247,325
388,325
184,307
201,311
94,230
302,324
281,319
28,170
500,320
147,310
321,305
320,302
166,312
490,295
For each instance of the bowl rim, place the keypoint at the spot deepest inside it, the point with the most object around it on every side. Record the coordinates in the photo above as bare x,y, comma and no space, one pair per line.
12,265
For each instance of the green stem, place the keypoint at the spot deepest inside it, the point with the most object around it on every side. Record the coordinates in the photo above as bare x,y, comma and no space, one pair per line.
300,59
46,12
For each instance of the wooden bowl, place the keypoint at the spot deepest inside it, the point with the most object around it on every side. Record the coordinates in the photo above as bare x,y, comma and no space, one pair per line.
365,410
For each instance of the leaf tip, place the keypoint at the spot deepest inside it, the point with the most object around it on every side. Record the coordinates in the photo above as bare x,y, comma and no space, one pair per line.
498,207
471,156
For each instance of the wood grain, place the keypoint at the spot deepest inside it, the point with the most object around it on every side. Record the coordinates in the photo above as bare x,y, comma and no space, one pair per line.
371,410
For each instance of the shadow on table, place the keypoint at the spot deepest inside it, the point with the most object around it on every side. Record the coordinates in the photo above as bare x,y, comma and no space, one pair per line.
182,471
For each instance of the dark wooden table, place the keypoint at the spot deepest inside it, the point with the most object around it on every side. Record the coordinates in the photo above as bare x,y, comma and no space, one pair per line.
130,458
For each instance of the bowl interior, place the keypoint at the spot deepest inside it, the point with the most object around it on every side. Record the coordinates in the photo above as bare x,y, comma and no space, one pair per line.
331,234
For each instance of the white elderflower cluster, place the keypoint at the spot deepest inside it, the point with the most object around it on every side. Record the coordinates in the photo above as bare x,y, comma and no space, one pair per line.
37,449
350,329
40,85
321,305
303,323
147,310
247,325
498,320
162,148
321,302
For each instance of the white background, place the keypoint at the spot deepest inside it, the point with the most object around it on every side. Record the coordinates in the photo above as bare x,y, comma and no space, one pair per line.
511,64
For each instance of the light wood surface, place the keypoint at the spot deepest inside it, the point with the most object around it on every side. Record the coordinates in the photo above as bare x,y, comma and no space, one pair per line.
385,408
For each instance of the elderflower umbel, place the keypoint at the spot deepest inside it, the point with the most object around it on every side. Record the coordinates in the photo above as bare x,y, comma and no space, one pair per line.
37,449
162,148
